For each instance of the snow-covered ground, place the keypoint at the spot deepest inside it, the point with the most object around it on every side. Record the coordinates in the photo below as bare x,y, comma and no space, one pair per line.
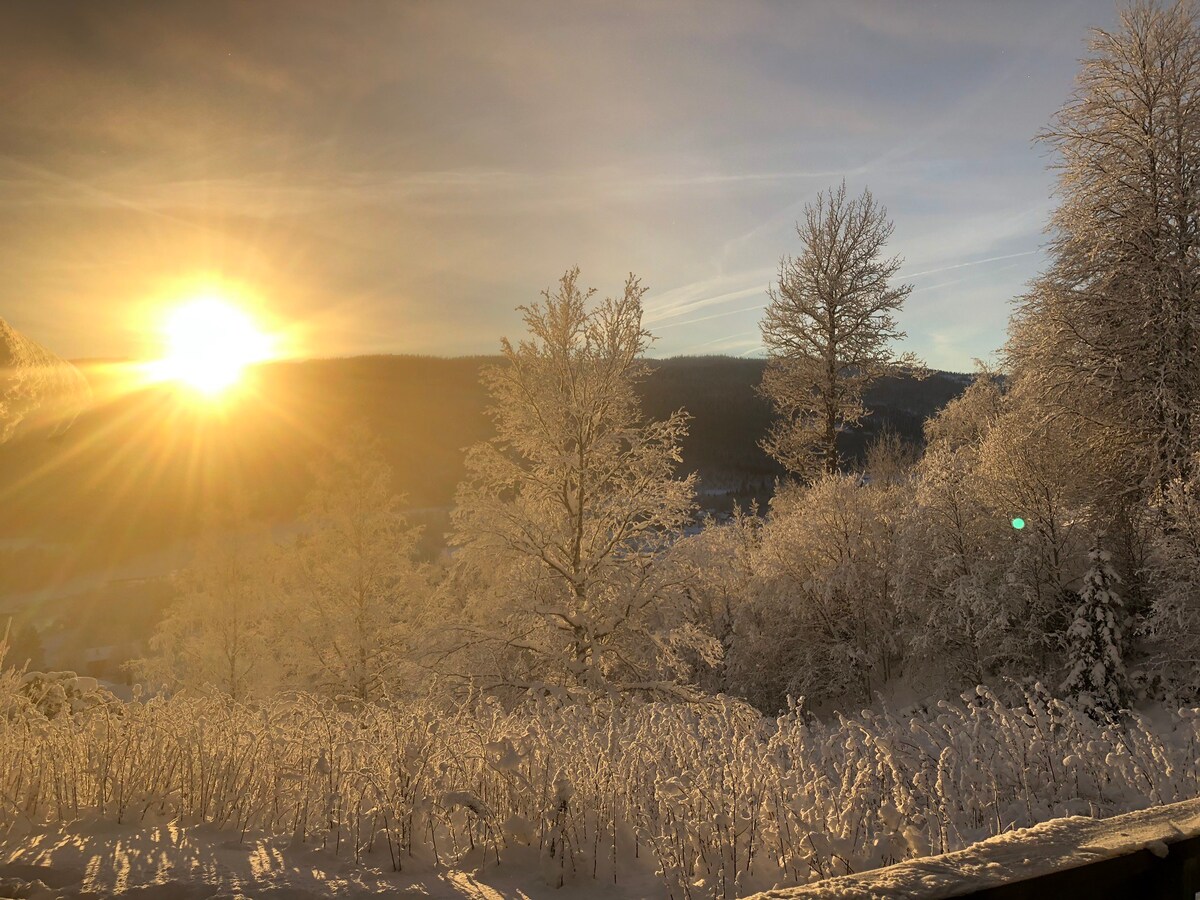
99,859
298,794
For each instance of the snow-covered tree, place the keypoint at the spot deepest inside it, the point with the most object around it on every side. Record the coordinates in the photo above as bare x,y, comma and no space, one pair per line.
889,459
965,421
1025,473
1174,567
1108,338
829,327
825,621
952,604
722,559
562,516
1096,673
985,599
353,590
37,389
217,636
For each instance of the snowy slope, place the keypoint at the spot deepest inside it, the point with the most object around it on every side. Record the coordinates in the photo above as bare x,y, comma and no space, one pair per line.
1026,853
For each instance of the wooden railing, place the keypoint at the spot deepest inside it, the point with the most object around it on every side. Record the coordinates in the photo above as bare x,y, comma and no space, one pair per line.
1152,853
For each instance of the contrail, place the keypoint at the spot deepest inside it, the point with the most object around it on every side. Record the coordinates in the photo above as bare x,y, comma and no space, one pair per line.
732,312
731,340
974,262
691,297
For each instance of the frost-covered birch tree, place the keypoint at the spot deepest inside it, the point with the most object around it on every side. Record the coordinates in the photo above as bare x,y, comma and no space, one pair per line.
829,328
723,559
987,599
1173,624
217,636
1109,337
826,619
562,516
353,589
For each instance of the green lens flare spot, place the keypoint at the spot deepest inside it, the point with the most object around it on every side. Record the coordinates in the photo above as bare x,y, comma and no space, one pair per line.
1018,524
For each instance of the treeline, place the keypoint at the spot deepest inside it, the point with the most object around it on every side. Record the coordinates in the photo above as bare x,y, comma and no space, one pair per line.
1042,534
1047,536
908,573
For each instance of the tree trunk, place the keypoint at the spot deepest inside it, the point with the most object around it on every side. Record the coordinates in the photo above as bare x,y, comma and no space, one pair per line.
831,452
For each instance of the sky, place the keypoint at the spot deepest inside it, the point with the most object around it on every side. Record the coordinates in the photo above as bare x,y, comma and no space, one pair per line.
397,177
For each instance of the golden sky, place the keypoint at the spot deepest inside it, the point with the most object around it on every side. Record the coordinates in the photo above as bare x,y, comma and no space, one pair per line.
397,176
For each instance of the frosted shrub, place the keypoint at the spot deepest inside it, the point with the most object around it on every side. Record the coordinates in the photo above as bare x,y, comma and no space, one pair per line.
53,694
718,800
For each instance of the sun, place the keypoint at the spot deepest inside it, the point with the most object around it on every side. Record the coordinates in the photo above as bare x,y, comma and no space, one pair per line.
209,343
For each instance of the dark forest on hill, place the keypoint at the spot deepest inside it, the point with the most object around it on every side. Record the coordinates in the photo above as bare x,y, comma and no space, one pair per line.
72,504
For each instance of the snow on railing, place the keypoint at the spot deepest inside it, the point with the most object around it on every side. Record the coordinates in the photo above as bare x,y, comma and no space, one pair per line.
1150,853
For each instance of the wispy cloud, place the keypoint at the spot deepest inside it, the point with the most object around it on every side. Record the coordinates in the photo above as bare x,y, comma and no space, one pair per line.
725,343
421,169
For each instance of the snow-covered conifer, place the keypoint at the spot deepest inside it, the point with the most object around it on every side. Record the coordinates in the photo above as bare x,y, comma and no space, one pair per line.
1097,673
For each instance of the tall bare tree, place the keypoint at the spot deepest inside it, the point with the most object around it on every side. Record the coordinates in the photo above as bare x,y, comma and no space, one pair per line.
564,513
829,327
1108,341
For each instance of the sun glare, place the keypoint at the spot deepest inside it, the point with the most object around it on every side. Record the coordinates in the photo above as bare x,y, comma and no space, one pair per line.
209,343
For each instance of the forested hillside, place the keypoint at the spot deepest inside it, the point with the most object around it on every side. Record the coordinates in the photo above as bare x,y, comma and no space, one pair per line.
119,485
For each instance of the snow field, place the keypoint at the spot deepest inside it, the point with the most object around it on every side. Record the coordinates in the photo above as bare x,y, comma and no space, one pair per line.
718,800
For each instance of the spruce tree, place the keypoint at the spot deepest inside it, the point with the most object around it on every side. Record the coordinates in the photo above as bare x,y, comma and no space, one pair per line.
1097,673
